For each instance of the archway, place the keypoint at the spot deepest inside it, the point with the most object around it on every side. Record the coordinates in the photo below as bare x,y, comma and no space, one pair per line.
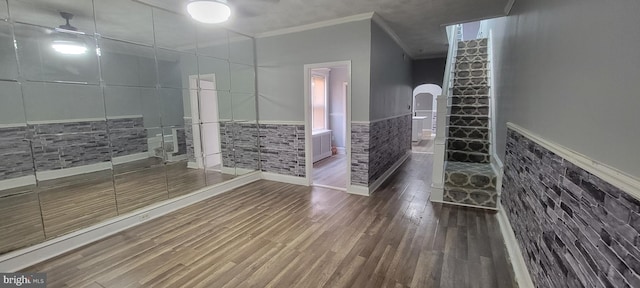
422,95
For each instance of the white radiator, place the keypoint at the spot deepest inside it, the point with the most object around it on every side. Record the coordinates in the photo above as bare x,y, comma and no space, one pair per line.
321,145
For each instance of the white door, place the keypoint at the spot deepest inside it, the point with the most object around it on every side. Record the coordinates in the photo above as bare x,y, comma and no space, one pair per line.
210,127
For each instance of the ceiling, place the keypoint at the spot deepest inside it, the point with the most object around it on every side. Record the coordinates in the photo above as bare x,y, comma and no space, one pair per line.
418,23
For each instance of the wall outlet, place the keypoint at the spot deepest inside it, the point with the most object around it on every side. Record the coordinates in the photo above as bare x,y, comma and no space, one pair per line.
144,217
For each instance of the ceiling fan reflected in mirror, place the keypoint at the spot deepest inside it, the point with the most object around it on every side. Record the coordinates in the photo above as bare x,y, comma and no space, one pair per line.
66,42
218,11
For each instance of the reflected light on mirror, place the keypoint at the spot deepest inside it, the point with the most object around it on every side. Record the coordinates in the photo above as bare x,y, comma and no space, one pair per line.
69,47
209,11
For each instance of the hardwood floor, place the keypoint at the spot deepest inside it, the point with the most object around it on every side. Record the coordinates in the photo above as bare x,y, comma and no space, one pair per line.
331,171
269,234
59,206
425,145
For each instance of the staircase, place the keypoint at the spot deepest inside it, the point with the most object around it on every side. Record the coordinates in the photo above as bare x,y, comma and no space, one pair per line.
469,177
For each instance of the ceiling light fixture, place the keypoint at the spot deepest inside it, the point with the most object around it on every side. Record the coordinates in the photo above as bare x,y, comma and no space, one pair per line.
69,47
65,41
209,11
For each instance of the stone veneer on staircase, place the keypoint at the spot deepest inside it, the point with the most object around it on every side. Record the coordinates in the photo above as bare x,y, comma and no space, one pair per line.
469,177
574,229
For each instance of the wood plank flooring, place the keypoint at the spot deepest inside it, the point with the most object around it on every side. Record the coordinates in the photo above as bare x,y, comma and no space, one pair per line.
331,171
60,206
426,145
269,234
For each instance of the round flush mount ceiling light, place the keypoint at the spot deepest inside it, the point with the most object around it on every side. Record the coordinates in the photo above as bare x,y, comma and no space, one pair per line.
209,11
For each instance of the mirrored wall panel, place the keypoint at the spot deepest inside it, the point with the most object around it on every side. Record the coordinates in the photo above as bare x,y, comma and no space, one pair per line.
105,115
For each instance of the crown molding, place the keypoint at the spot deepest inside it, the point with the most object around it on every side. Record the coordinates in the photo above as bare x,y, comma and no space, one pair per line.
508,7
383,24
321,24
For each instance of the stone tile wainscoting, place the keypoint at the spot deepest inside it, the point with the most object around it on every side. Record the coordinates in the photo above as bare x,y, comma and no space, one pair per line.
390,139
242,136
188,134
64,145
70,144
15,153
282,149
376,146
573,228
360,154
128,136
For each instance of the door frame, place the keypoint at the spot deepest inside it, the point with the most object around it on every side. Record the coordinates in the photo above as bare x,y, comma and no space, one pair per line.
307,119
194,101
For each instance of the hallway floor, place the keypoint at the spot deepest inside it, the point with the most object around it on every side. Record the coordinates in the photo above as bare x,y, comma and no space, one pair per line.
425,145
331,171
270,234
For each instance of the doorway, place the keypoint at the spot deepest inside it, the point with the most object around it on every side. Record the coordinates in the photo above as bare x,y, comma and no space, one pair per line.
327,123
206,142
424,118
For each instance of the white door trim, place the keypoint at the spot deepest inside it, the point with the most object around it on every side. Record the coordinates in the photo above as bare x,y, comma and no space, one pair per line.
307,118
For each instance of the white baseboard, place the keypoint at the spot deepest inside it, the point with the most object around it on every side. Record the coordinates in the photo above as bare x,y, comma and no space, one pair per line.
193,165
227,170
285,178
358,190
176,158
329,187
18,182
437,193
130,158
515,254
242,171
465,205
367,191
342,150
20,259
388,173
60,173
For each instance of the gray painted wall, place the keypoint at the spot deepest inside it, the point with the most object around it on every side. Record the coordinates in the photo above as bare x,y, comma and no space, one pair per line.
281,61
428,71
567,71
391,91
337,103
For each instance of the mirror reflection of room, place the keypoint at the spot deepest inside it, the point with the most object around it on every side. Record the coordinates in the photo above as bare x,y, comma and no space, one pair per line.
106,113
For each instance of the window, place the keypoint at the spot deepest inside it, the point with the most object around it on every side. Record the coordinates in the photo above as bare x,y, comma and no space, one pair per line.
319,102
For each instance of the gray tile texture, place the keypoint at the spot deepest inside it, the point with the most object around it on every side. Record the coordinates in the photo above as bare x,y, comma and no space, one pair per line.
574,229
127,136
282,149
15,153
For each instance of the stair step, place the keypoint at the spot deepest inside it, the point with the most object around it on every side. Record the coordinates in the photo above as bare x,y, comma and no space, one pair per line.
472,58
482,42
478,133
475,197
471,51
471,82
470,183
470,91
468,145
471,65
469,110
469,121
470,175
471,73
466,156
463,85
470,100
